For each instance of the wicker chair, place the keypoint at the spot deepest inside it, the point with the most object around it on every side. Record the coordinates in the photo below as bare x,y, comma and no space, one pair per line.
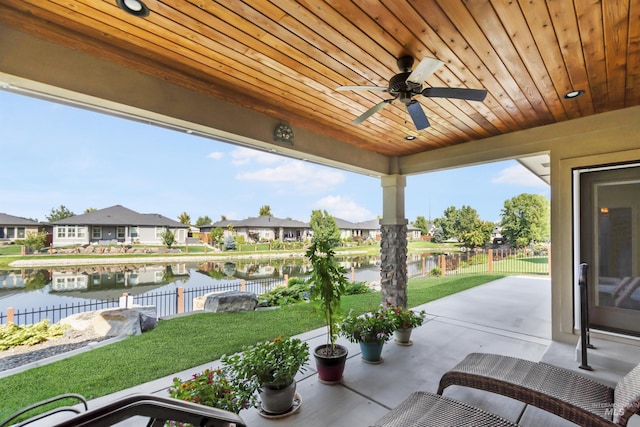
422,409
571,396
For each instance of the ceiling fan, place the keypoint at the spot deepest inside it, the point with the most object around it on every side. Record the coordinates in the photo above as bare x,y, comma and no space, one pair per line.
407,84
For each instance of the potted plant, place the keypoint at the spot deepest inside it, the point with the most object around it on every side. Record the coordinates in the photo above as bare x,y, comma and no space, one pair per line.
328,284
270,368
215,388
371,330
404,321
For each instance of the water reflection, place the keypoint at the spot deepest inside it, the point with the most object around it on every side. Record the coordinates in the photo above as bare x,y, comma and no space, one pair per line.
32,288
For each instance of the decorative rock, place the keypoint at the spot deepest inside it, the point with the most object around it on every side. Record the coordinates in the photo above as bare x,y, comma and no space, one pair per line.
148,317
198,302
230,302
79,321
117,321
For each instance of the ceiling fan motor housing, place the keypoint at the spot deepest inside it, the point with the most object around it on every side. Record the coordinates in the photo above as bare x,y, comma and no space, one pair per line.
399,88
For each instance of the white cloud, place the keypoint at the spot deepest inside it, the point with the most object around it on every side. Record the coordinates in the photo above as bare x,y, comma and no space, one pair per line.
344,208
215,155
244,156
304,176
518,175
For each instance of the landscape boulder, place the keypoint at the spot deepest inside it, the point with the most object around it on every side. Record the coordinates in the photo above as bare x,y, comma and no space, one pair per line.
115,321
230,301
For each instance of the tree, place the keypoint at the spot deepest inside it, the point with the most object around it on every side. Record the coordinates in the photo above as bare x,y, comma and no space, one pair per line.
525,219
36,241
422,224
203,220
61,213
465,225
223,217
216,234
168,238
324,227
265,211
230,243
480,235
438,235
88,210
447,223
184,218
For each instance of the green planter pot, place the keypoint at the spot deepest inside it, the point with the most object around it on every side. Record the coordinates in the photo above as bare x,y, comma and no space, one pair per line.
371,352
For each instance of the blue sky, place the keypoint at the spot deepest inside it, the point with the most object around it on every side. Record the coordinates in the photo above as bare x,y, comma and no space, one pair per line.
54,155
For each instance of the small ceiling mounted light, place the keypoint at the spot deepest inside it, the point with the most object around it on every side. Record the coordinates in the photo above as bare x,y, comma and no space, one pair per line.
573,94
410,137
134,7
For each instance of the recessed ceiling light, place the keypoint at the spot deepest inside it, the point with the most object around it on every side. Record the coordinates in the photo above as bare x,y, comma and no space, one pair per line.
134,7
573,94
409,137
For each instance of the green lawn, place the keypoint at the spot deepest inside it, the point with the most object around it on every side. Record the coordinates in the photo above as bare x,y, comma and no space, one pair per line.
513,265
184,342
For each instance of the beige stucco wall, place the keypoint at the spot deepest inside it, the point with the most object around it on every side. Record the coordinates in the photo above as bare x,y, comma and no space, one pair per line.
601,139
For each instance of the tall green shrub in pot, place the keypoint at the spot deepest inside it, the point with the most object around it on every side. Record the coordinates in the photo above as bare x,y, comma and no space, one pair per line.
328,284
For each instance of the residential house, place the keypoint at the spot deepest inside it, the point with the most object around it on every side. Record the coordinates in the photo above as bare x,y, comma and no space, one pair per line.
369,230
264,228
14,228
116,224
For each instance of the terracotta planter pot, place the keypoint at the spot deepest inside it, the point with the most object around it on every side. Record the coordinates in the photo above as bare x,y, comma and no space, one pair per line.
330,366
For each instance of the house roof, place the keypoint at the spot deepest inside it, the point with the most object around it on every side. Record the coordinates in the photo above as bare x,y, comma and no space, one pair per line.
119,215
264,221
6,219
372,224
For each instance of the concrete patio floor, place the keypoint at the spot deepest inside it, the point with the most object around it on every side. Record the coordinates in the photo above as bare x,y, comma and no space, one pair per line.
510,316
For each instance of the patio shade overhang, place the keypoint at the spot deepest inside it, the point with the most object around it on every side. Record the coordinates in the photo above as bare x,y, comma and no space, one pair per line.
269,64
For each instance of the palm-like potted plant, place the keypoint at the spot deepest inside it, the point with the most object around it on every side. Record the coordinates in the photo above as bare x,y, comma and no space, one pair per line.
328,284
270,368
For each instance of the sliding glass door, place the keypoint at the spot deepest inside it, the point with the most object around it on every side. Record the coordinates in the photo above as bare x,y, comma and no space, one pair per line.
610,245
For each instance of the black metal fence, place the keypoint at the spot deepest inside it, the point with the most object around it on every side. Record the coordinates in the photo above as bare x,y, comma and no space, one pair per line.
167,303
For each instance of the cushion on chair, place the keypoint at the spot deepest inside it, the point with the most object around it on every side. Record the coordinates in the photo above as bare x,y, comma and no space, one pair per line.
626,397
567,394
422,409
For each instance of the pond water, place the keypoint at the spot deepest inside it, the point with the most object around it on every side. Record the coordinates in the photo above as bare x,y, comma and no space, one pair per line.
36,288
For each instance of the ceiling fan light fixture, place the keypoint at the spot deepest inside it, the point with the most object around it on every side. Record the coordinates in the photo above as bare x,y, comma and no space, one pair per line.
573,94
134,7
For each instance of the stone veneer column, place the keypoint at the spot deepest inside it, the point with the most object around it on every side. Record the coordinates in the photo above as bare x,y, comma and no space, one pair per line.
393,272
393,245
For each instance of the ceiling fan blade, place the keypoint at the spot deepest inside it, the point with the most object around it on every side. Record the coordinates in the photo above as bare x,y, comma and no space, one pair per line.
376,88
425,68
417,115
371,111
455,92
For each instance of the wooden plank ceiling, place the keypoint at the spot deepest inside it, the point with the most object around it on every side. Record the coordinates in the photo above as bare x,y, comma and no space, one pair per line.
285,58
